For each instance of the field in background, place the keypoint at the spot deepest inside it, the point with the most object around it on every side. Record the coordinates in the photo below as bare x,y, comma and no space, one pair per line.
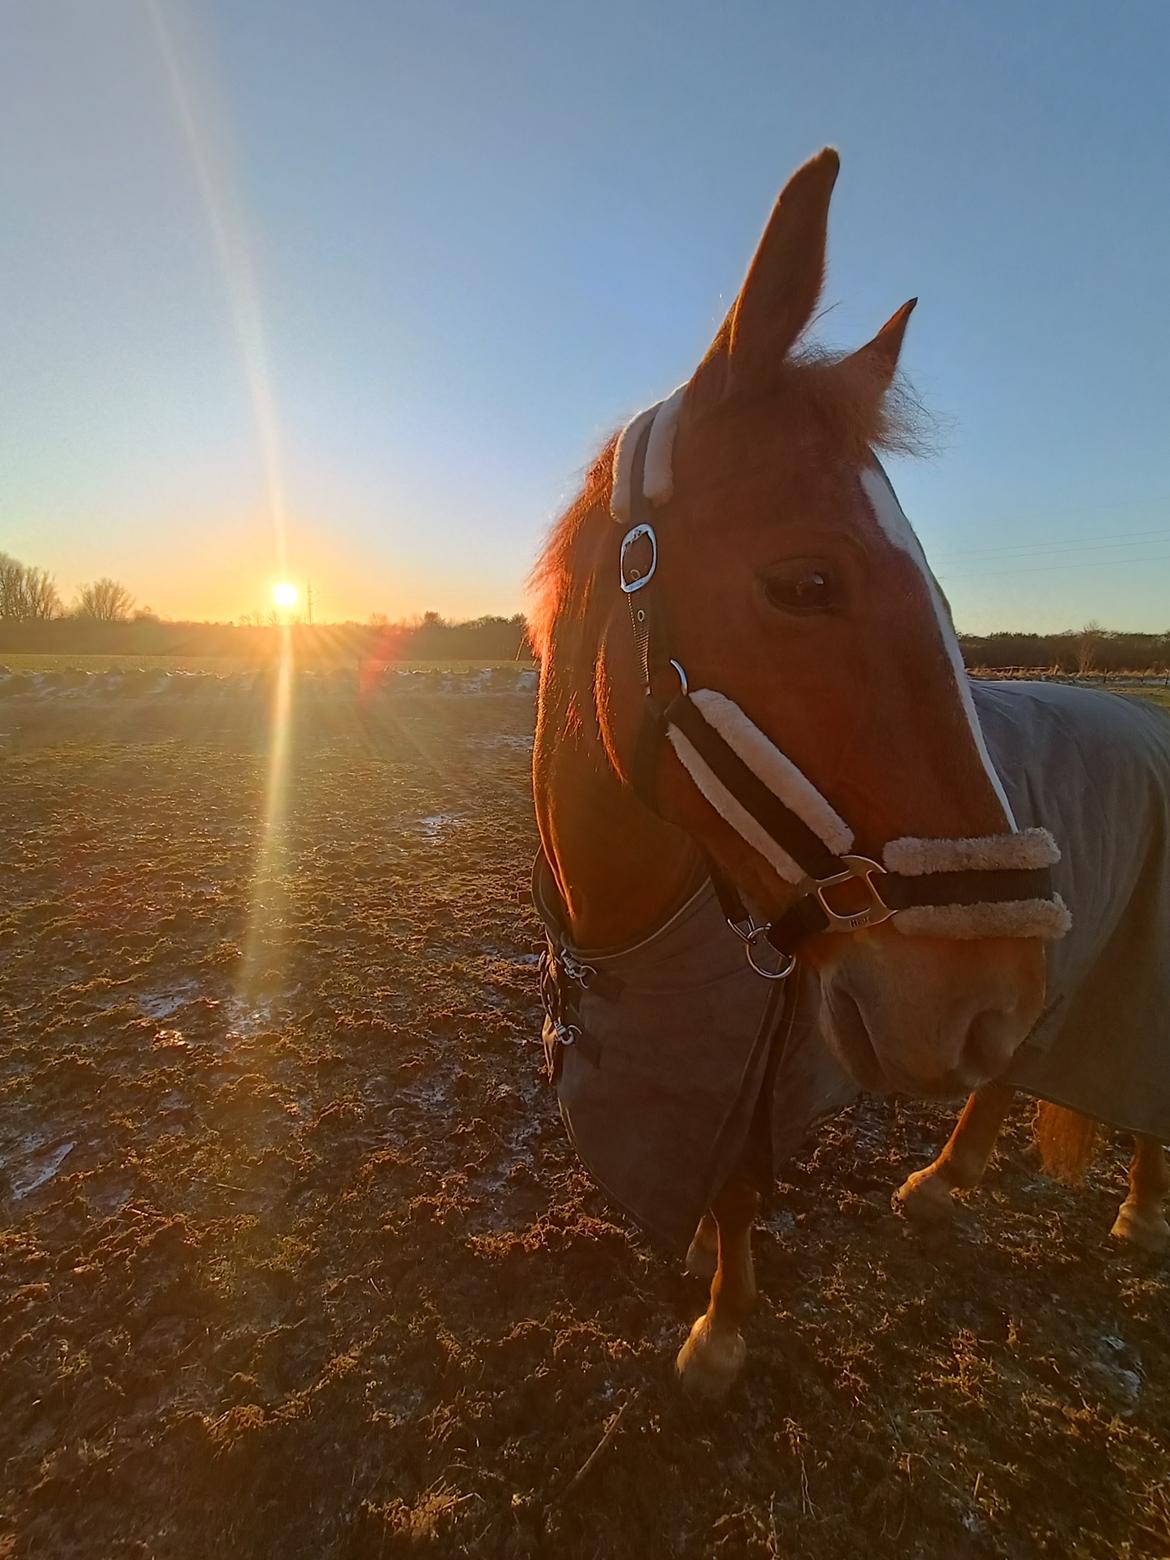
295,1257
223,664
1160,696
1156,684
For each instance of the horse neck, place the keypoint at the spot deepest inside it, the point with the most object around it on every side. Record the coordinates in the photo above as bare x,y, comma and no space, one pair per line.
619,868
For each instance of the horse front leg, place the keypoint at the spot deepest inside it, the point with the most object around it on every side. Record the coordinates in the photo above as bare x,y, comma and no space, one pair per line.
1140,1219
713,1355
926,1195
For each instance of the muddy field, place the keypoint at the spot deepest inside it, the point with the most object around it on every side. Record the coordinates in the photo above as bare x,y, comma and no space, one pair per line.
297,1261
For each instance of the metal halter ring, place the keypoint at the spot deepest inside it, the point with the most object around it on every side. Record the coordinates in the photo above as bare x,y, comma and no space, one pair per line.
635,579
862,868
746,932
750,941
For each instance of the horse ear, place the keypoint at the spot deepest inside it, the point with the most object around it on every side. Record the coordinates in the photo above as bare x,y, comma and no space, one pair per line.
782,285
866,375
876,363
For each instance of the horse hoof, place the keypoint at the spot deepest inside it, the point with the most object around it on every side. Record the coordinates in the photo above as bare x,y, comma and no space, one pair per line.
1148,1231
702,1260
710,1360
926,1198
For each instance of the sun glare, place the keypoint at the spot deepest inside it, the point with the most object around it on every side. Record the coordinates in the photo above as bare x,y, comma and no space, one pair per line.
284,594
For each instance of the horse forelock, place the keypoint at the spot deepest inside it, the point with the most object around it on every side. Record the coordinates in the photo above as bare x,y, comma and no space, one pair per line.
818,398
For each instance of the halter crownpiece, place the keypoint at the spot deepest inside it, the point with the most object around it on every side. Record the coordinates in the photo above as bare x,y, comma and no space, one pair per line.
986,886
655,483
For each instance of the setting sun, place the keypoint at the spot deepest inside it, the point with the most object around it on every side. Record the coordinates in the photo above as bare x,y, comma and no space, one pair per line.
284,594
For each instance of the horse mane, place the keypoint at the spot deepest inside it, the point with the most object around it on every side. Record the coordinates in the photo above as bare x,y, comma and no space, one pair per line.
851,407
561,576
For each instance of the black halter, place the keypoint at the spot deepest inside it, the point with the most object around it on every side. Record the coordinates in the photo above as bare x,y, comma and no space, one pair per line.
823,902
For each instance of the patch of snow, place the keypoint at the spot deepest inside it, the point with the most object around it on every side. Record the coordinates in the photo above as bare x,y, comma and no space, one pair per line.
164,1003
40,1170
437,824
247,1019
143,683
1116,1374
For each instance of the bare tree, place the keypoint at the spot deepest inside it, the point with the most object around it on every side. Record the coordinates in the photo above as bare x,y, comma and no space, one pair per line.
11,589
1088,646
26,594
104,601
40,595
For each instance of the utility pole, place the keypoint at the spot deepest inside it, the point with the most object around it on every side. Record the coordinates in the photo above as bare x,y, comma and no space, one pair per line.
309,601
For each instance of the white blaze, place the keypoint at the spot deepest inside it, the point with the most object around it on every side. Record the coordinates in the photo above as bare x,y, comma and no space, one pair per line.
899,532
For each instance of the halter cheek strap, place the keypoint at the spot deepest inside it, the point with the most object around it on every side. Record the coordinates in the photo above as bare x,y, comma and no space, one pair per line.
985,886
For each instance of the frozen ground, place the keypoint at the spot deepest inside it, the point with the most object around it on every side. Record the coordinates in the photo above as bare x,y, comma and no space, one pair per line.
297,1261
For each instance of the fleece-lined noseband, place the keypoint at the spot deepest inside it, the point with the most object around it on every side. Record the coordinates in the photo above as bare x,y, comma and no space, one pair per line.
986,886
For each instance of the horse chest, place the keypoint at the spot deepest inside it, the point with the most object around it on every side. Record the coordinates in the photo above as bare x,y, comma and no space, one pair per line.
676,1064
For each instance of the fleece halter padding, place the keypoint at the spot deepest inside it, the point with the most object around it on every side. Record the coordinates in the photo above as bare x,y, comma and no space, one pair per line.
773,769
1029,853
1024,850
984,886
657,479
1047,919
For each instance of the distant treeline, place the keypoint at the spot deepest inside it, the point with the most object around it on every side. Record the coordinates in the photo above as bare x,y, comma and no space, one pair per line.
1083,650
433,638
103,621
427,638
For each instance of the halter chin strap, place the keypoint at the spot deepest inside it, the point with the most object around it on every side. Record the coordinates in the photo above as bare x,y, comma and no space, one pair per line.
986,886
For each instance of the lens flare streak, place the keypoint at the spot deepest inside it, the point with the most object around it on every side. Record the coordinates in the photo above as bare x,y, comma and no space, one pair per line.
264,961
263,957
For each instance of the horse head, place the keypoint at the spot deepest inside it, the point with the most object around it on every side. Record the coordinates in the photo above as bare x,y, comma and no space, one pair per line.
777,575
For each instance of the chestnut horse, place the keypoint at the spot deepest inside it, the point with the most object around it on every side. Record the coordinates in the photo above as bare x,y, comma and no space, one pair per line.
785,576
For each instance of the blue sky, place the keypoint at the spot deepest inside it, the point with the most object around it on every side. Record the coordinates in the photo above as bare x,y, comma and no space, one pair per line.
387,273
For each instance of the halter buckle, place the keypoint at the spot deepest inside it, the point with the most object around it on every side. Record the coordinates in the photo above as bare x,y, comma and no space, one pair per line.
861,869
634,579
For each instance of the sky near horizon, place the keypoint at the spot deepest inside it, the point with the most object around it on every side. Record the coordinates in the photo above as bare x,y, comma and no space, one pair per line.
353,292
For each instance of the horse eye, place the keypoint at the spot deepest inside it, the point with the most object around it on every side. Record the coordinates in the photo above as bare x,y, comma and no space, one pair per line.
803,588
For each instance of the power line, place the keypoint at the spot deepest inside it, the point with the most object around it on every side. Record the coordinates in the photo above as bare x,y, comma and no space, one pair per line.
1121,539
1093,563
